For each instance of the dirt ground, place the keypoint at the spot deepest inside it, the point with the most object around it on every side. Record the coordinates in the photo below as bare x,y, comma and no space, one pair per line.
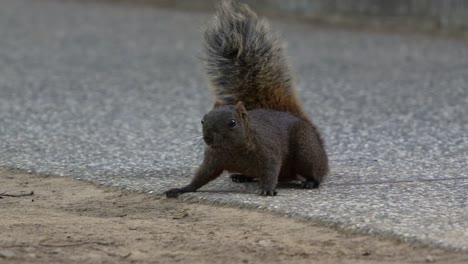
70,221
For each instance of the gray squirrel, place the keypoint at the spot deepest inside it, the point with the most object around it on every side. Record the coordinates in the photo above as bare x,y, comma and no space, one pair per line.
257,127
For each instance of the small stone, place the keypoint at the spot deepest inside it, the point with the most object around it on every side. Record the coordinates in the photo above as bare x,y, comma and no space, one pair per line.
7,254
55,251
180,216
429,259
264,243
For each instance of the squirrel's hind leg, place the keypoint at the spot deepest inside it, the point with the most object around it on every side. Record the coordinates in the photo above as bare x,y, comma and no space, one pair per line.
310,160
310,184
306,167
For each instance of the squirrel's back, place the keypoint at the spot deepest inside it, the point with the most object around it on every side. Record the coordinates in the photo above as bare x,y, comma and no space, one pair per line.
245,62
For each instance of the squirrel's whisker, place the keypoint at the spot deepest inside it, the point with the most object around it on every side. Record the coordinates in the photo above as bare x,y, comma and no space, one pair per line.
188,139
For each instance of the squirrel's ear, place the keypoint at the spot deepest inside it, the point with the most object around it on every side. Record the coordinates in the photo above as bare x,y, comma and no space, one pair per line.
241,109
217,103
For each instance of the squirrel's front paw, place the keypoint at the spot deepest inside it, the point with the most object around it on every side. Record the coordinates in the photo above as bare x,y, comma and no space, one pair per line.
268,193
173,193
241,178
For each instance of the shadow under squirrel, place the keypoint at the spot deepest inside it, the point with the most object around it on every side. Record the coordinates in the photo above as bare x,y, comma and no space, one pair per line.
257,127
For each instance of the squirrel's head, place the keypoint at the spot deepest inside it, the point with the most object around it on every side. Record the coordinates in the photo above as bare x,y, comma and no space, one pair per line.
226,126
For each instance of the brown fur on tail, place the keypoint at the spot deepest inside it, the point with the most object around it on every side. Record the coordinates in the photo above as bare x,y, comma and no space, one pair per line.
245,62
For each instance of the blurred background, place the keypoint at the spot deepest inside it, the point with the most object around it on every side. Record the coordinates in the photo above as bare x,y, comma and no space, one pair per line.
449,16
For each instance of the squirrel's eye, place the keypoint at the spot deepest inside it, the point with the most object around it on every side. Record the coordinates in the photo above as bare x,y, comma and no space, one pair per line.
232,123
202,121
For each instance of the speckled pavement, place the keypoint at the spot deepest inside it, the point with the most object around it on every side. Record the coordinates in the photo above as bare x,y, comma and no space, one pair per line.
114,94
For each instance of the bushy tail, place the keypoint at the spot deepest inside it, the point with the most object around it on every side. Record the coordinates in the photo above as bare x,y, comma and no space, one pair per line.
245,62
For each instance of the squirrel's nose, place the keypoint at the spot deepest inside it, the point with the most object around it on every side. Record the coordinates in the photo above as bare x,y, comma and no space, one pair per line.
208,139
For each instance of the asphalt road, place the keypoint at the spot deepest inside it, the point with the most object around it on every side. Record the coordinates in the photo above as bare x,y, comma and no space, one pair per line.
114,95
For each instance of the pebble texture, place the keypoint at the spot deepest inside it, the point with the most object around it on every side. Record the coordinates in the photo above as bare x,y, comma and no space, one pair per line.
114,94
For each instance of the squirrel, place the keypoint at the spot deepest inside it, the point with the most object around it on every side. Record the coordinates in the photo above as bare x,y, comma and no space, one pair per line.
257,127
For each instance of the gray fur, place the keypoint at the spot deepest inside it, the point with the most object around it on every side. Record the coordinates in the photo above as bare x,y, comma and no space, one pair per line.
243,56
